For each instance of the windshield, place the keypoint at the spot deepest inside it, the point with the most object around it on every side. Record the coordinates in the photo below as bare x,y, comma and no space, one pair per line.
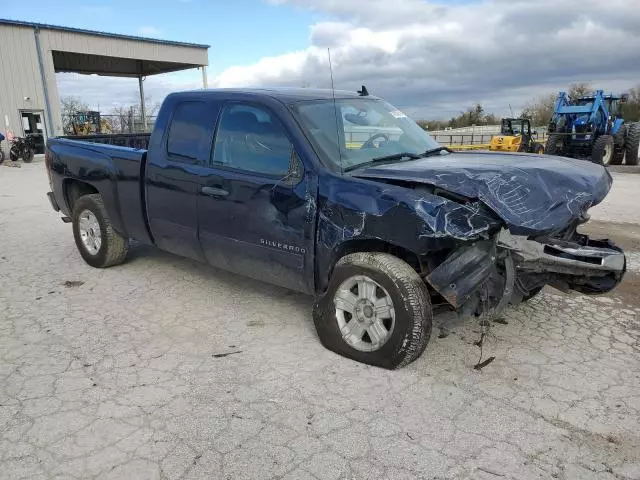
367,129
511,127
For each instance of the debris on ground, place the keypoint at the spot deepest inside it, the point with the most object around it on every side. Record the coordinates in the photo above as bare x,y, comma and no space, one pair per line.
220,355
481,365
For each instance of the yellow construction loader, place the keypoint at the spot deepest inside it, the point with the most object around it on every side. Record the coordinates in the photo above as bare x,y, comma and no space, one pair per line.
515,136
89,123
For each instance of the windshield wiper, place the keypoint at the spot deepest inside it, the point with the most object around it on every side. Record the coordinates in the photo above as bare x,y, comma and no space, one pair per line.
436,150
385,159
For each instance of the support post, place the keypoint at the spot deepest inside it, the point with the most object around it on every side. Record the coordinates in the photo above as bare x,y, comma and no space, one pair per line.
204,76
143,110
45,89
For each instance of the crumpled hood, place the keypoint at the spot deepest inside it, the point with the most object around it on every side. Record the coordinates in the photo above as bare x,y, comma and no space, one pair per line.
533,194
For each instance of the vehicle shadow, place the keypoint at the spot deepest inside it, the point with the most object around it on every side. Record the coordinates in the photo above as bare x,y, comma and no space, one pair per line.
201,272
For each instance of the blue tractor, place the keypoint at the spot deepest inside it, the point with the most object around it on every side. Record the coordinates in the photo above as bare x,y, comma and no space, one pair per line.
591,127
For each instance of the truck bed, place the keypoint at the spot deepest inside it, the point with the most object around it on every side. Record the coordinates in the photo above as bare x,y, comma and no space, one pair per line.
113,169
139,141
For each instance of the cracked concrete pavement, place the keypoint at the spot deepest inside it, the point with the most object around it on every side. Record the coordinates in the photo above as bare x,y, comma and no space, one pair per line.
120,373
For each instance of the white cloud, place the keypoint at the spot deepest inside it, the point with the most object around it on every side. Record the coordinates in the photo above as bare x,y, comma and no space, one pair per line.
148,31
107,93
436,59
430,59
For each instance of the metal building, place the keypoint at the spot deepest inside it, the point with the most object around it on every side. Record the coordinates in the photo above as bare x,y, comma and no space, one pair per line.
31,54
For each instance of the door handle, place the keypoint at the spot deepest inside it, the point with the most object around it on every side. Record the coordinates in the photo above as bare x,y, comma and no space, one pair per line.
214,191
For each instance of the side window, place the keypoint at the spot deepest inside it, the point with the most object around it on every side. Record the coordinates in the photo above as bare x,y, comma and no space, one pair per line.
187,131
250,138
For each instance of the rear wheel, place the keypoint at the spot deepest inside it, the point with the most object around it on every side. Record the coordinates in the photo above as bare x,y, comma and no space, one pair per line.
98,243
632,143
27,155
376,310
618,142
1,155
537,148
554,145
14,154
602,151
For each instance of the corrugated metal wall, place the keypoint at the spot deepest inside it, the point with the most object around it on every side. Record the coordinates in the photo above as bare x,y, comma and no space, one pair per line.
20,73
19,78
113,47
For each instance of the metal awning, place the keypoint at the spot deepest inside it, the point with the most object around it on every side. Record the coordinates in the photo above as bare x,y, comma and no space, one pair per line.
74,50
113,66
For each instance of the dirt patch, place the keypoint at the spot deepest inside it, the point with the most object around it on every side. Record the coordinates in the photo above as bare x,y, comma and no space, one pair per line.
625,235
629,289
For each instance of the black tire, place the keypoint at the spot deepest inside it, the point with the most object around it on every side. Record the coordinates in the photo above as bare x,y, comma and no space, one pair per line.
14,154
27,155
2,157
618,142
411,302
603,149
554,145
113,248
632,143
537,148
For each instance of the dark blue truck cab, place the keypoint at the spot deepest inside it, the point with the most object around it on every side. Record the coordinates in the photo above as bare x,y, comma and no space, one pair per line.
346,199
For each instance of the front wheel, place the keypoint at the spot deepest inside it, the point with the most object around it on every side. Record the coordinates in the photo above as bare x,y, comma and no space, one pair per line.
537,148
555,144
98,243
27,155
376,311
603,149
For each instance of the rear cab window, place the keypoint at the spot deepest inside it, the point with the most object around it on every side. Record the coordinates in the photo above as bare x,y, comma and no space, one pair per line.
188,132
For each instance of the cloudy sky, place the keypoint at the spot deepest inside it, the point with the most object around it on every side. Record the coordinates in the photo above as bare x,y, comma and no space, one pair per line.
432,58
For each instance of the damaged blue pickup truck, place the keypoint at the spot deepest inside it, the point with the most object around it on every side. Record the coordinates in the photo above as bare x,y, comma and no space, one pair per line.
346,199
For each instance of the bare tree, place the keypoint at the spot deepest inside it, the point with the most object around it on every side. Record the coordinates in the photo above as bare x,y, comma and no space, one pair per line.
72,105
540,110
69,107
631,108
127,118
579,89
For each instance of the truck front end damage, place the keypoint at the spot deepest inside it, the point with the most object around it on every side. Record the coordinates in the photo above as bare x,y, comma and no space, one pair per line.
513,221
488,275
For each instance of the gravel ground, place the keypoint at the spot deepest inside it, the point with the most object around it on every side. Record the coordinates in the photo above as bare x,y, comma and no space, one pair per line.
164,368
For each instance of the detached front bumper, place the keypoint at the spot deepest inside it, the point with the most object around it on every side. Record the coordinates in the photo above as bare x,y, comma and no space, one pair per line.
489,274
588,266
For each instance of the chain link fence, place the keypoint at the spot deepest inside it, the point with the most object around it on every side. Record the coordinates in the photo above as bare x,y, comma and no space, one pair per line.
453,139
128,122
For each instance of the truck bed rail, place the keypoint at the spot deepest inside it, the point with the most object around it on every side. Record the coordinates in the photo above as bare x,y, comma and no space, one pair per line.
131,140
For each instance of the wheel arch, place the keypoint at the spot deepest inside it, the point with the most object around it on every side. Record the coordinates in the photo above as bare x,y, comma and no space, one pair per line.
73,189
367,245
